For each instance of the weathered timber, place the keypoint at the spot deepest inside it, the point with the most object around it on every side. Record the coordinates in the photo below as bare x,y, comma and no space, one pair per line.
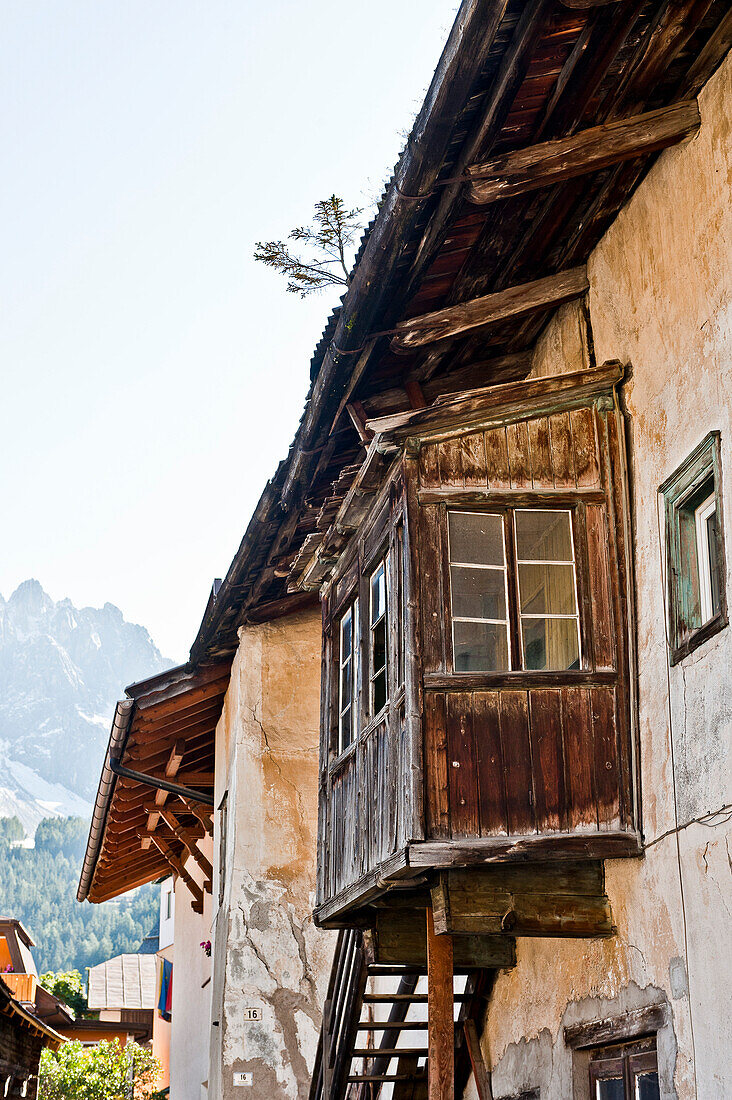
528,900
502,403
589,150
481,1076
178,867
612,844
188,841
516,301
399,937
581,5
616,1029
440,1025
175,760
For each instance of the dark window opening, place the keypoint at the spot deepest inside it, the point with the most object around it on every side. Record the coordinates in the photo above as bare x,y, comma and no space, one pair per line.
625,1073
348,678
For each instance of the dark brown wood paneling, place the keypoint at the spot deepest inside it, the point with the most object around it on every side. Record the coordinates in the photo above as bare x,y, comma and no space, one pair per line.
429,470
561,447
547,751
462,770
450,465
584,445
542,475
599,587
496,455
437,808
519,457
516,748
489,758
472,449
580,756
606,757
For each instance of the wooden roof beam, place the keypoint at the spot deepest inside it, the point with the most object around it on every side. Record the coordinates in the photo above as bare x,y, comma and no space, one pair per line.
588,151
177,865
515,301
189,842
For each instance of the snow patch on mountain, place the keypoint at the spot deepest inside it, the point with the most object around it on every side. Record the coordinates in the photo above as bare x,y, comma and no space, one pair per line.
62,668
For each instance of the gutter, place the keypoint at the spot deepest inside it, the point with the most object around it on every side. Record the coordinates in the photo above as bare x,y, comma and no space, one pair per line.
107,781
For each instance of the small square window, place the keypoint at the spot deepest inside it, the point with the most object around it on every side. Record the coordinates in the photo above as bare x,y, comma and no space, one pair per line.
628,1072
697,606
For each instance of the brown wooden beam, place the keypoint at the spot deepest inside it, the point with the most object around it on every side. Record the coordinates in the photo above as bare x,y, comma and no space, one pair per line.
188,841
175,759
481,1076
200,812
516,301
177,865
588,151
440,1019
524,900
399,938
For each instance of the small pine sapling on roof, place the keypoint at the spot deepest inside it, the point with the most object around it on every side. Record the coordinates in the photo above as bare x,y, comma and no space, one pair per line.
330,236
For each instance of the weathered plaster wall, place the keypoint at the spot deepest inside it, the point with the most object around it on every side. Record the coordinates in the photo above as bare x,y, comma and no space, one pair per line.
660,301
268,954
191,1007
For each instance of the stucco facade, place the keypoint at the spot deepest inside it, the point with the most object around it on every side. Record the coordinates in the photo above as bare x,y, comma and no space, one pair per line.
660,301
191,1003
271,964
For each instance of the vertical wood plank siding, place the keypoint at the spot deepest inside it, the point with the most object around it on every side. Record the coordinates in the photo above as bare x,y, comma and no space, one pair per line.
460,757
543,759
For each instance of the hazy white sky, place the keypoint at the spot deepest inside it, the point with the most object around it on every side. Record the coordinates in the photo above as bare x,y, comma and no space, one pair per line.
152,373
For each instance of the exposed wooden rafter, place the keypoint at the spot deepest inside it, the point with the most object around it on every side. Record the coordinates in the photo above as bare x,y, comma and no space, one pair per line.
516,301
589,150
177,866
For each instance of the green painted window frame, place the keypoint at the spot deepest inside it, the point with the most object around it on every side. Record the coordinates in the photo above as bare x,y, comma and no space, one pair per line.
699,474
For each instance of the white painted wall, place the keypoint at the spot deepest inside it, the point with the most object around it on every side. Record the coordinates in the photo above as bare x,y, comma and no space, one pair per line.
166,925
191,1010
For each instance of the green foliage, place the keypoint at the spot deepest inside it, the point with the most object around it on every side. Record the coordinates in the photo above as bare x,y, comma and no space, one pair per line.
107,1071
68,986
331,235
10,830
38,887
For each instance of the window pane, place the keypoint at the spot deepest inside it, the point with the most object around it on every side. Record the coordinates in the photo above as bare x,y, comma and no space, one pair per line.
613,1089
378,593
378,641
547,590
646,1086
713,561
379,689
478,593
346,728
480,647
543,536
346,635
476,539
550,644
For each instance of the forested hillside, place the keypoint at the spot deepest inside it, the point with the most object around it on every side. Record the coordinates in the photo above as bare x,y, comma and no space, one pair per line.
38,887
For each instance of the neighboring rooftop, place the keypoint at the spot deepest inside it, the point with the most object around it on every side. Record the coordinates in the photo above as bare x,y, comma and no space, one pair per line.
126,981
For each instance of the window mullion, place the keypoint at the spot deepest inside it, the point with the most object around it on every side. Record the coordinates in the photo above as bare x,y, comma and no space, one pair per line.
512,591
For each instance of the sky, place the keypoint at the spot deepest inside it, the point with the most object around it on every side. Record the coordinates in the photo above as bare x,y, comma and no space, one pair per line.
152,374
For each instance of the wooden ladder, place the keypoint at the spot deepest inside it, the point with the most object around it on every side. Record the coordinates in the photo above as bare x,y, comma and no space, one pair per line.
375,1029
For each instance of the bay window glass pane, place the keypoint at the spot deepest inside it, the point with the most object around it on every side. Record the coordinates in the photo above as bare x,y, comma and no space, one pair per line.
378,593
347,681
646,1086
612,1089
547,590
478,593
476,538
378,639
550,644
480,646
543,536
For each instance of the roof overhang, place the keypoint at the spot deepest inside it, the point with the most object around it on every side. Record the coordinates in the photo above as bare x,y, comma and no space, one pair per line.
156,788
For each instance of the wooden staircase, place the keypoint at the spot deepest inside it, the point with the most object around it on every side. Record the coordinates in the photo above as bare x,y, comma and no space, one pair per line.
374,1039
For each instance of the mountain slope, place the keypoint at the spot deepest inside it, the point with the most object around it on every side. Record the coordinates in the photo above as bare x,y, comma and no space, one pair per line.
61,670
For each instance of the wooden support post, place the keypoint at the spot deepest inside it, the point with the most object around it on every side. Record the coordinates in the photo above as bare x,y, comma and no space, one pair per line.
441,1023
